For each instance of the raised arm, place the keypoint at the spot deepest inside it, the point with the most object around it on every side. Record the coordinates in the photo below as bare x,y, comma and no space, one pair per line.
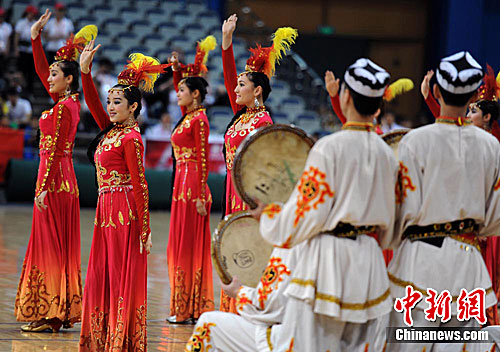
332,86
429,98
41,64
89,90
174,60
228,63
134,154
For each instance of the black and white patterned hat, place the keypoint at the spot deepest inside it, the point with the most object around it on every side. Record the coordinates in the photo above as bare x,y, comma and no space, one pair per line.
459,73
367,78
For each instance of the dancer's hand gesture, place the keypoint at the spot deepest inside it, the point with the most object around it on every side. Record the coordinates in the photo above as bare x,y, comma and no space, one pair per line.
331,83
200,207
40,201
147,246
174,60
425,87
228,28
38,25
87,56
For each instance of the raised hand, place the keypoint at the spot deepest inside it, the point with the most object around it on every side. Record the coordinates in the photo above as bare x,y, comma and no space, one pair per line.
331,83
174,60
425,86
87,56
228,28
38,25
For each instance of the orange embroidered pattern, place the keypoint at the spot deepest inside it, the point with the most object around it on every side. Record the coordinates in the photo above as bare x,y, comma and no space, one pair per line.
287,244
272,276
312,189
290,348
271,209
242,300
404,183
497,185
200,336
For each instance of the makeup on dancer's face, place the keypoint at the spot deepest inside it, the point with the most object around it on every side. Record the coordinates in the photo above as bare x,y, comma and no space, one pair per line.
56,79
244,91
117,106
184,95
475,115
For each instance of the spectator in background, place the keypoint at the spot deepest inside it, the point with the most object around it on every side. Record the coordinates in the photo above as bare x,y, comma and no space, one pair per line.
162,130
388,122
104,78
19,109
57,30
5,32
22,45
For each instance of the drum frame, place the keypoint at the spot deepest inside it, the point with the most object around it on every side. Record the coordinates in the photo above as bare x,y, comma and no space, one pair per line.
215,251
395,136
236,175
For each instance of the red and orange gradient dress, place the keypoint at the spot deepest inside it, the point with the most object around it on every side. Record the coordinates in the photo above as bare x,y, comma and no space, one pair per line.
50,285
114,302
250,120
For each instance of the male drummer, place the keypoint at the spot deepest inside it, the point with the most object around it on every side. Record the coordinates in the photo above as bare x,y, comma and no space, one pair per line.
341,211
260,310
450,196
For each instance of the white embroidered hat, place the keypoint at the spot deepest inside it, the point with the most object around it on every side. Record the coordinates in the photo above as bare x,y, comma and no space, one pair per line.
459,73
367,78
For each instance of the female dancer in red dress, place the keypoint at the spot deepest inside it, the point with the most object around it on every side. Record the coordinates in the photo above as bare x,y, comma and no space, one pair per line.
483,113
50,287
247,93
188,250
114,301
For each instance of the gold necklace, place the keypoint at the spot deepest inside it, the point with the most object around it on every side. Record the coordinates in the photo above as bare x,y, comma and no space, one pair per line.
247,116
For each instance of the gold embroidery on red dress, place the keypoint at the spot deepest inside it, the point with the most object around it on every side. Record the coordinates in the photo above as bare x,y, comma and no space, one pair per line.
181,297
201,302
271,278
271,210
145,193
200,341
404,183
312,189
230,151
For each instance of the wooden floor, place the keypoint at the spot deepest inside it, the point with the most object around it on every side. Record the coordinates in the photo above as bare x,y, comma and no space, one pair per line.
15,226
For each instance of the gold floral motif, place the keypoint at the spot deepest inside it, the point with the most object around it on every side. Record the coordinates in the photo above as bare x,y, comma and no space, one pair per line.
230,151
120,217
184,154
114,179
186,123
36,301
139,339
200,341
145,192
201,302
181,297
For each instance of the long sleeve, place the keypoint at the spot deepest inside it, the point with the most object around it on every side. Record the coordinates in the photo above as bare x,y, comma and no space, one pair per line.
201,132
41,65
134,152
306,211
492,217
433,105
62,125
177,78
336,108
93,102
230,76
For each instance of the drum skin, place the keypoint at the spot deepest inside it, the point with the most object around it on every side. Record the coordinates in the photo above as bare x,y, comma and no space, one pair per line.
269,162
239,249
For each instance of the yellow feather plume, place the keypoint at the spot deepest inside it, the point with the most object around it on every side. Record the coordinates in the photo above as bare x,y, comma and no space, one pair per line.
498,79
401,86
88,33
148,68
206,45
283,38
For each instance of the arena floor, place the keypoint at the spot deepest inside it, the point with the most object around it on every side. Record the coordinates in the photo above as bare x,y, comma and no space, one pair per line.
15,226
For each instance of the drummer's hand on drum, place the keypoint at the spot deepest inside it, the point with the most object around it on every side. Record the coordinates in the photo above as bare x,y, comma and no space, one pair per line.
200,207
425,87
257,212
232,289
332,84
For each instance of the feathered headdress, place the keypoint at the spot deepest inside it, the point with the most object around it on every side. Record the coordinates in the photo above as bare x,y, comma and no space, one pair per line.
490,89
76,43
198,68
398,87
141,71
264,59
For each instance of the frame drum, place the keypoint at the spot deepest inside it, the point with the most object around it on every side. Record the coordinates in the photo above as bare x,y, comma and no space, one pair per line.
238,249
392,138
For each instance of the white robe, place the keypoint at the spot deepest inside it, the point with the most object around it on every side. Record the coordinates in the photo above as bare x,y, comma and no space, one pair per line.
449,173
